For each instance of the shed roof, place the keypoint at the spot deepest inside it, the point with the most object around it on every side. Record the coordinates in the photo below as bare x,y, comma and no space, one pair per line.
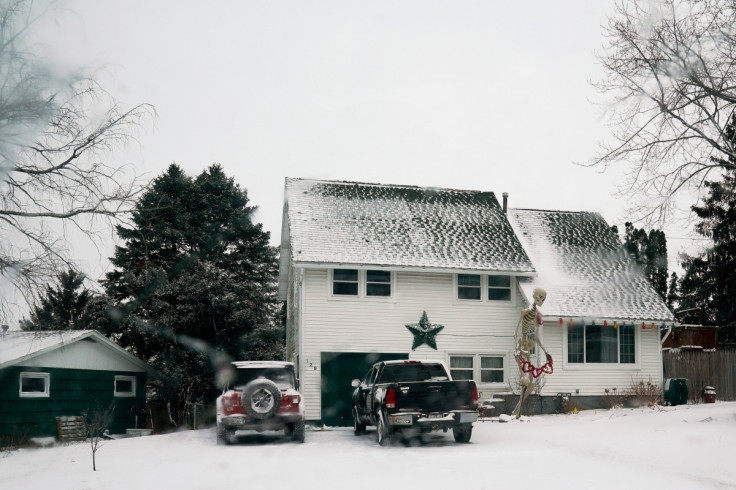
18,346
584,269
351,223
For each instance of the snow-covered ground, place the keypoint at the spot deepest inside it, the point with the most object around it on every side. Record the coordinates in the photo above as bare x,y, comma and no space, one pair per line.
671,448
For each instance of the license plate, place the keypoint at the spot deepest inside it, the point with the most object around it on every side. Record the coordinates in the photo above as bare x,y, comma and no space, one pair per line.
435,416
402,420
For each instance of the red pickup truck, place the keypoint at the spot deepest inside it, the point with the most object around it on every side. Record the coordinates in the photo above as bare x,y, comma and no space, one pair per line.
260,396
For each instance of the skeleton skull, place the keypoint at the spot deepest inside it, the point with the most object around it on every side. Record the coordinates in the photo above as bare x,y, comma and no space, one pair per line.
539,295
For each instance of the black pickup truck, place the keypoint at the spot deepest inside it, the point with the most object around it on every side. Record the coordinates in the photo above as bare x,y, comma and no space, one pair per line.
413,396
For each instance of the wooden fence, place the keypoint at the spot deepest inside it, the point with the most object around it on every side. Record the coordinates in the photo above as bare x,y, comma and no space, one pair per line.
716,369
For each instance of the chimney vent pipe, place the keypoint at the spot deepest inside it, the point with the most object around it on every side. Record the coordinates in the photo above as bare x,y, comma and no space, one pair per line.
505,202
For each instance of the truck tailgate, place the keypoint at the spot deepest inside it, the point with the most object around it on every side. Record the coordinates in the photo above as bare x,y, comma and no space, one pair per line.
434,396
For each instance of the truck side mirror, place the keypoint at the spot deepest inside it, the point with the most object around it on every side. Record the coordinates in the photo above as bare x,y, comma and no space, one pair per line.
355,383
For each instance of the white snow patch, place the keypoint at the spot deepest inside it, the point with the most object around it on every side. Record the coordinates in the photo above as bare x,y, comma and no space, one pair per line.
683,447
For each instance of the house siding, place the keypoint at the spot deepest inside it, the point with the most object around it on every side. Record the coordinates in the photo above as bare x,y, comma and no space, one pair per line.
378,325
72,391
593,379
328,324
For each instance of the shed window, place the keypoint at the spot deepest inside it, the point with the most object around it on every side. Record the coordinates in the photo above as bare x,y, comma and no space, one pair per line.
124,386
35,385
345,282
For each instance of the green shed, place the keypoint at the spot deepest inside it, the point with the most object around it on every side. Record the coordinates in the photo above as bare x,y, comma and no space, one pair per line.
50,374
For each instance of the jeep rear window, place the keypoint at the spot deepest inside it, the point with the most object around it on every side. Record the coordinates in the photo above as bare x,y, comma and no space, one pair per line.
283,377
398,373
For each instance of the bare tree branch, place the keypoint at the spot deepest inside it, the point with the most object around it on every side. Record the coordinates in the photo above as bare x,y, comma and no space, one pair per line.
670,82
57,169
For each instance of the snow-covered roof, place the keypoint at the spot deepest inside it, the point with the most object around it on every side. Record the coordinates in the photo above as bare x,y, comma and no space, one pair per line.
584,268
350,223
19,346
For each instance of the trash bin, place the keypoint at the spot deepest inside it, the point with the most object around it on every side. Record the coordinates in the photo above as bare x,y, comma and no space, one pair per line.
675,391
709,394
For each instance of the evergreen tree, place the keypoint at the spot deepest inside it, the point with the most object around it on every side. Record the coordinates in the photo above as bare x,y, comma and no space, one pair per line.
194,279
656,257
709,282
650,251
673,292
64,306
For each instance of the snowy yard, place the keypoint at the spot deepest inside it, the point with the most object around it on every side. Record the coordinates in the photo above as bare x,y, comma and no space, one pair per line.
672,448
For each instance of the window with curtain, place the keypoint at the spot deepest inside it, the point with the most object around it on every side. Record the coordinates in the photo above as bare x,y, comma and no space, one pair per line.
598,344
461,367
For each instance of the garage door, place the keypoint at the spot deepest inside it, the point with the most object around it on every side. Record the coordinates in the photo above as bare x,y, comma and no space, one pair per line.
338,370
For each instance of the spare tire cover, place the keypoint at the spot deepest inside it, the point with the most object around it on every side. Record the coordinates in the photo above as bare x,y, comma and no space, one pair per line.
261,398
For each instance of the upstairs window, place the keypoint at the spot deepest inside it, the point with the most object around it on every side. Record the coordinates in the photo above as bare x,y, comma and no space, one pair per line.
362,283
499,288
377,283
468,286
345,282
35,385
477,287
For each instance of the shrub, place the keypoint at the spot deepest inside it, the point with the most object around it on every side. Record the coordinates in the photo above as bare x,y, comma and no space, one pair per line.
640,393
613,398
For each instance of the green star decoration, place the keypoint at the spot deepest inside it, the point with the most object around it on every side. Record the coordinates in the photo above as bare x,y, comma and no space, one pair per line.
424,332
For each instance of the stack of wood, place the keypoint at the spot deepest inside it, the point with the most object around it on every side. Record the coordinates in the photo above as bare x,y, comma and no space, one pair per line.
71,428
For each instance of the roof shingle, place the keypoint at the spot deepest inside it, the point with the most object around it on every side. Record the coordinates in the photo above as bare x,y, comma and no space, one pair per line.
400,226
584,269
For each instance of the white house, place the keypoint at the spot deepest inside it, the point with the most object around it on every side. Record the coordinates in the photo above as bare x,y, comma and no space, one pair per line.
361,262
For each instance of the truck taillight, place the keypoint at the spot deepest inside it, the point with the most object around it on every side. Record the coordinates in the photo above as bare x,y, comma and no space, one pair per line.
231,403
474,396
290,403
391,398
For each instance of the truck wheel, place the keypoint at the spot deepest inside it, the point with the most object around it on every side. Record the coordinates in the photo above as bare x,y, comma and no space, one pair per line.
462,433
261,398
384,432
358,426
299,431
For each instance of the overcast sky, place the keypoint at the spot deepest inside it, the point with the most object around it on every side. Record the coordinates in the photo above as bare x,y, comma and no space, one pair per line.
484,95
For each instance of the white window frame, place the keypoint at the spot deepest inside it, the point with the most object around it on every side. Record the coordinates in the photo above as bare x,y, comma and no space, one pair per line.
124,394
36,394
332,282
480,370
472,370
635,366
477,367
362,286
484,290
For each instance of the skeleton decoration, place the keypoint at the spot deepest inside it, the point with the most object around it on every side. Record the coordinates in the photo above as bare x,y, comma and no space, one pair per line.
529,320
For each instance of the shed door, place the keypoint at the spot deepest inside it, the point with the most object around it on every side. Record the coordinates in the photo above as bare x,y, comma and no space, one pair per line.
338,370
